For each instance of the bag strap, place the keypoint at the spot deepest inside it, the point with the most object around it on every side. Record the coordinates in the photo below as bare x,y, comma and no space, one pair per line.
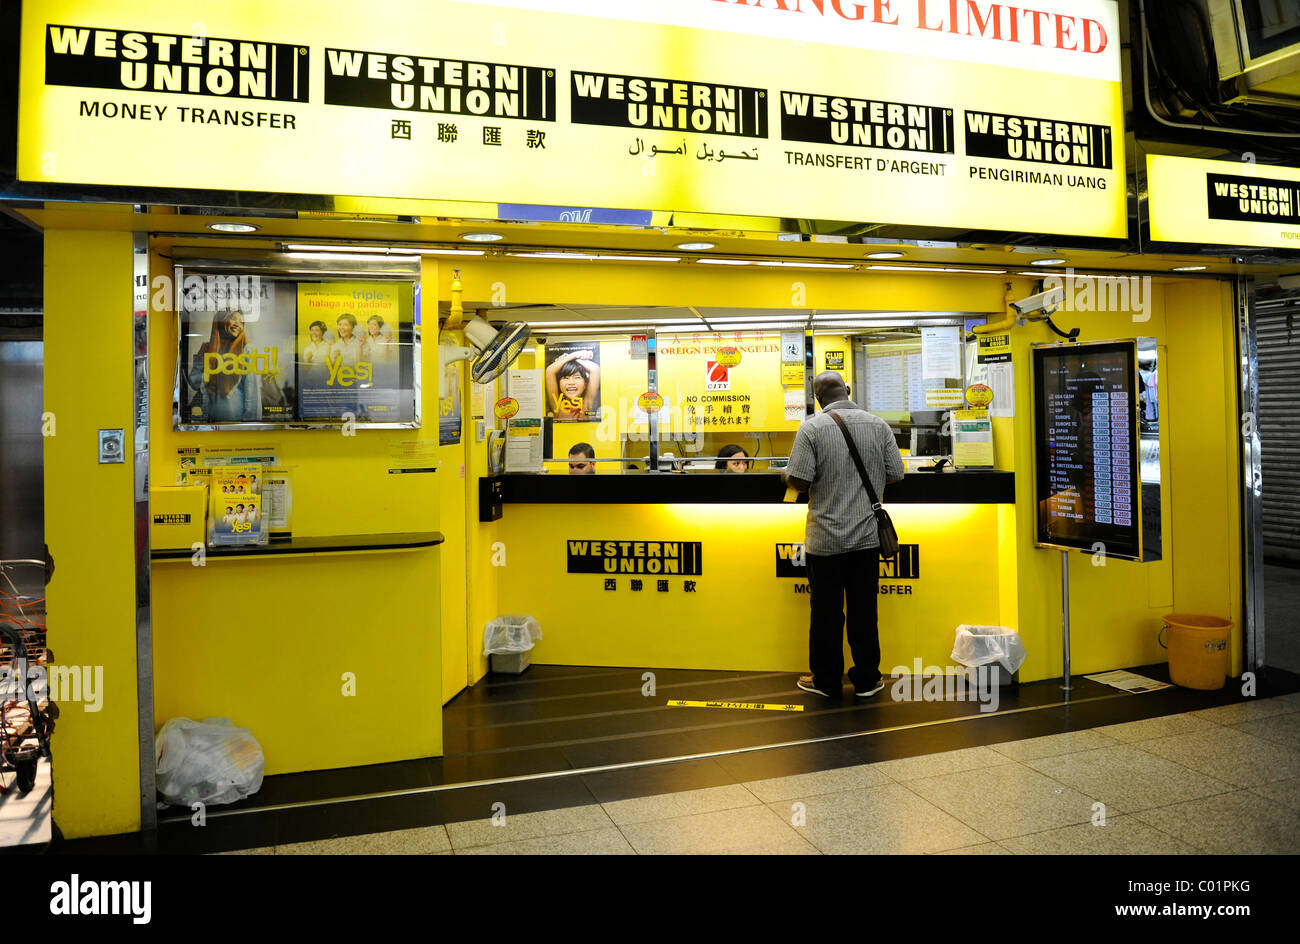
857,459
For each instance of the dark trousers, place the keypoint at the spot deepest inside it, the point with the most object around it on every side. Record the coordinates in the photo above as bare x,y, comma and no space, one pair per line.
833,581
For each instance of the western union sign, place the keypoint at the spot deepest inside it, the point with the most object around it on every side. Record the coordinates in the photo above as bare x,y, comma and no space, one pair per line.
973,114
1223,202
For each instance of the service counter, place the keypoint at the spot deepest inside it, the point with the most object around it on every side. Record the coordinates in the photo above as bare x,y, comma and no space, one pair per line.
752,488
705,571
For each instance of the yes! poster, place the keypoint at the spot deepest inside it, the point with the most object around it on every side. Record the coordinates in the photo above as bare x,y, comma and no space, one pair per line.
353,351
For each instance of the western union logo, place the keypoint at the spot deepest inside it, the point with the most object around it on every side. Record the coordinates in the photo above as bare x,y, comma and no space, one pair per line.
447,86
635,557
905,565
1260,200
130,60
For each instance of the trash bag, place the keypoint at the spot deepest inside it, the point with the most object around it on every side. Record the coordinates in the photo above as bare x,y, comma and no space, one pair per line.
984,645
507,634
209,761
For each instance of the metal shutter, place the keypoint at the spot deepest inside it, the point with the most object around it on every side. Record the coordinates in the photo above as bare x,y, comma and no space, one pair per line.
1278,334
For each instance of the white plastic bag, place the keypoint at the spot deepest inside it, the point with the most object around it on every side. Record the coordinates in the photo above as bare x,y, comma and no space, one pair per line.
507,634
209,761
984,645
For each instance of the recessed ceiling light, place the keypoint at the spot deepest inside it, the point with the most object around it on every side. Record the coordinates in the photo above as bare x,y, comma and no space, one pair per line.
233,227
1189,268
482,237
695,247
890,254
1053,260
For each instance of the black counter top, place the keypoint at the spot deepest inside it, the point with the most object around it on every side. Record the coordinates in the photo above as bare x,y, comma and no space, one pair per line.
954,488
328,544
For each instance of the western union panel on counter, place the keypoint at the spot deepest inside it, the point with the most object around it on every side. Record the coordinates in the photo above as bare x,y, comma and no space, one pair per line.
635,557
635,105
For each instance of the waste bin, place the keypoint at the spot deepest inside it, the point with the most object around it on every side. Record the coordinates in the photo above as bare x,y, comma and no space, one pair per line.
508,642
997,648
1198,649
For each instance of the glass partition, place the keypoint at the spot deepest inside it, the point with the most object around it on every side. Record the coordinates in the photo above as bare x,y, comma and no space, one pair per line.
717,391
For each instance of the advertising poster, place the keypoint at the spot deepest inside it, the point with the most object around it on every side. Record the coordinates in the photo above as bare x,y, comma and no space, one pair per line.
723,382
573,381
352,362
237,355
235,510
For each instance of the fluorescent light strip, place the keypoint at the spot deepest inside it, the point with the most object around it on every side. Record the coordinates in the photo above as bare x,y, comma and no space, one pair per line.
641,258
384,250
726,262
887,268
809,265
356,257
552,255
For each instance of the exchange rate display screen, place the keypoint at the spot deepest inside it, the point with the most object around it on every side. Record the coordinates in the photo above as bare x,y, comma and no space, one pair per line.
1088,489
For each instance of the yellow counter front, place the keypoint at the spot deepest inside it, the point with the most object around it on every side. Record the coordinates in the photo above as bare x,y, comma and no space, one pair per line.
697,582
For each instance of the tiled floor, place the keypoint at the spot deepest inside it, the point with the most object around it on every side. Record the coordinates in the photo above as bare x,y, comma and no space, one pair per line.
1221,780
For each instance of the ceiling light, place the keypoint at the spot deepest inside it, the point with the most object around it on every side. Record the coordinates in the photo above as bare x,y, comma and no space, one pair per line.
305,247
1052,260
353,257
233,227
886,268
695,247
731,262
1189,268
640,258
482,237
811,265
553,255
885,255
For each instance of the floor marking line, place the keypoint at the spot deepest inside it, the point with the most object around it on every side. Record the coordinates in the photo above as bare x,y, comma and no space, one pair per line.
759,706
628,765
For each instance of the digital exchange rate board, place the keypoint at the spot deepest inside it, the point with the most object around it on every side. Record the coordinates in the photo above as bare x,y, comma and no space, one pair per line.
1088,488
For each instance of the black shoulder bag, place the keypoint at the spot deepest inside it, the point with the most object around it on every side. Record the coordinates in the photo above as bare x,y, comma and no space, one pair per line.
885,532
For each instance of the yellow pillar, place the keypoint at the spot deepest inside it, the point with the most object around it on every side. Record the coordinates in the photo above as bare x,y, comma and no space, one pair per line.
89,526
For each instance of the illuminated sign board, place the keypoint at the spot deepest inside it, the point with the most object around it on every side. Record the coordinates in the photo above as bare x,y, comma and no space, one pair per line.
975,115
1223,202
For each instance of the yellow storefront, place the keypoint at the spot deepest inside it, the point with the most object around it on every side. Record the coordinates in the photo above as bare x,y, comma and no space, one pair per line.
342,650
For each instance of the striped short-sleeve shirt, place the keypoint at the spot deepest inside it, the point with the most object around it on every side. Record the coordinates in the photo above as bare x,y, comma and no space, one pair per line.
839,512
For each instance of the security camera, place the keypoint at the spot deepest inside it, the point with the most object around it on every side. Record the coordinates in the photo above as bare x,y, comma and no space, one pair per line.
1047,302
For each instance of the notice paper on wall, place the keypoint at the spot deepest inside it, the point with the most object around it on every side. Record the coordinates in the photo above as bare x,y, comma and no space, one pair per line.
415,455
941,350
277,502
1002,379
524,429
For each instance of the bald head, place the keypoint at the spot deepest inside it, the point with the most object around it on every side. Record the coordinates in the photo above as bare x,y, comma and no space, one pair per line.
828,387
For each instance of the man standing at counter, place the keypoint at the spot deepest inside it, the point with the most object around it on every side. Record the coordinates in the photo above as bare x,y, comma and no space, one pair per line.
841,549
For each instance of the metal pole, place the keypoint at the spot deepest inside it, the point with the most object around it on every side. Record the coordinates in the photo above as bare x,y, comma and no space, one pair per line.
1065,619
652,386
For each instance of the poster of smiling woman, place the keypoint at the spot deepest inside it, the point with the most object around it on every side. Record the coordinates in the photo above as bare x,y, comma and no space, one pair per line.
237,357
573,380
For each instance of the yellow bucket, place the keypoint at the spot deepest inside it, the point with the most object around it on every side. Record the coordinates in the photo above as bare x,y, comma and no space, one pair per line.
1198,650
